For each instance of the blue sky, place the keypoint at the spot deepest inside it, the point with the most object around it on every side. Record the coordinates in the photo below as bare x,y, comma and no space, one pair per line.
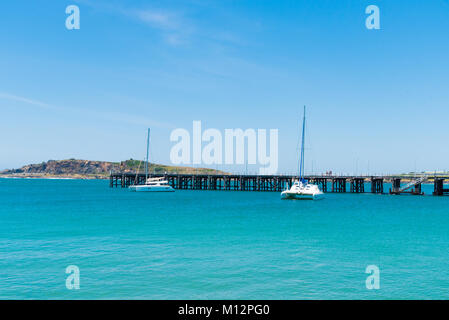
378,100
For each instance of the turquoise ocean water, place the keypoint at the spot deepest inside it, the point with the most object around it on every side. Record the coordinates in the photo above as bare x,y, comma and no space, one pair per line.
217,245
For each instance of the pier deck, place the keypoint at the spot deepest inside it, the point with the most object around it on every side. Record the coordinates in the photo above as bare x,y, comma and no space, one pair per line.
278,183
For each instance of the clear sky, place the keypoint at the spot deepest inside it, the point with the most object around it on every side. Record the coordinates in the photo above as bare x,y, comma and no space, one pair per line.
378,100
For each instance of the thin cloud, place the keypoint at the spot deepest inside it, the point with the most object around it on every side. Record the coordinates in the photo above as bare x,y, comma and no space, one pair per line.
174,28
172,25
160,20
110,116
173,39
8,96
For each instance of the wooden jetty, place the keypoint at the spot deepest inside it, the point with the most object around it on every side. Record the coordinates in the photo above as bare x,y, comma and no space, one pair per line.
278,183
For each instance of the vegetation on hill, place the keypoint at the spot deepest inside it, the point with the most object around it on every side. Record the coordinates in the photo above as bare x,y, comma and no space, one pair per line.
87,169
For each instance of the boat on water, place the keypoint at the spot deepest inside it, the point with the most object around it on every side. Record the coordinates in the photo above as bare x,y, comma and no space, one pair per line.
301,189
151,184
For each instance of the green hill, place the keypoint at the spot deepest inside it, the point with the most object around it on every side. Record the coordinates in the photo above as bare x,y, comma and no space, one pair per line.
88,169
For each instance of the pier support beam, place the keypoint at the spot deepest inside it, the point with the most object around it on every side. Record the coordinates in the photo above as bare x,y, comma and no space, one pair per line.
395,185
417,190
377,185
321,183
438,187
339,185
414,187
358,185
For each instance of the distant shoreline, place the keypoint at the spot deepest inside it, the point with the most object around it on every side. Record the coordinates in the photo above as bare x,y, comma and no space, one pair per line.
93,170
52,177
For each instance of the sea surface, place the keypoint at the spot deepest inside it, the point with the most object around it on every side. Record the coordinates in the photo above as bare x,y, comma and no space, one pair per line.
217,244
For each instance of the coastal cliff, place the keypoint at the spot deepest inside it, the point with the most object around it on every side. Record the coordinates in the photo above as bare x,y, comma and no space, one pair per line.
88,169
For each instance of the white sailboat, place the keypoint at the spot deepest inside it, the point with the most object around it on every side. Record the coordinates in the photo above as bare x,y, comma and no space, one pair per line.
151,184
301,189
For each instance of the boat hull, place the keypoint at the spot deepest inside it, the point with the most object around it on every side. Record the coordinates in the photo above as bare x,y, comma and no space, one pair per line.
286,195
144,188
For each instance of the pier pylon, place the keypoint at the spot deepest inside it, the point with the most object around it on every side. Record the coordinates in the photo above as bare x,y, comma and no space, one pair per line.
413,187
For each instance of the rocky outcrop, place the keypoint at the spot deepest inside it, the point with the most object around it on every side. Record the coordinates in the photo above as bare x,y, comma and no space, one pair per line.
62,167
92,169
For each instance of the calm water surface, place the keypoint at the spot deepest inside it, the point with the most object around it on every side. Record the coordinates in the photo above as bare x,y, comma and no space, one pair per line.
217,245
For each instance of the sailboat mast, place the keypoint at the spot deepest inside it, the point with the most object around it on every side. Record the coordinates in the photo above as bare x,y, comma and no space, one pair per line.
148,148
301,165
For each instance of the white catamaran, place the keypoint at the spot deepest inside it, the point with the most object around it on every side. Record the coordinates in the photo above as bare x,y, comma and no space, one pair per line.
301,189
151,184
